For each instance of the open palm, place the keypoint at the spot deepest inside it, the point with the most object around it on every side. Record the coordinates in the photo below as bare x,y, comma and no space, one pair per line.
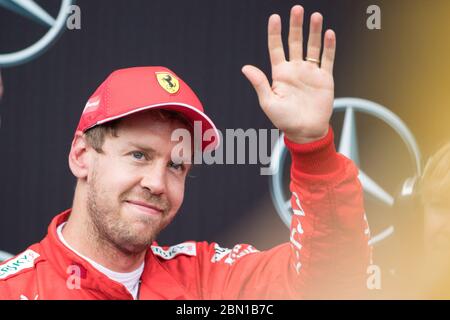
300,100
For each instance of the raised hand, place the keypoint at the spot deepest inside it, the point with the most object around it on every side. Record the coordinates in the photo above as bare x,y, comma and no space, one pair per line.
300,100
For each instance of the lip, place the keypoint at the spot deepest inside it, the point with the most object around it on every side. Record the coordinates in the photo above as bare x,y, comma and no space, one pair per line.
145,207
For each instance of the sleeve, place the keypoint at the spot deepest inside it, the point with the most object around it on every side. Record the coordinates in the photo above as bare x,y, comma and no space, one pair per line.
328,253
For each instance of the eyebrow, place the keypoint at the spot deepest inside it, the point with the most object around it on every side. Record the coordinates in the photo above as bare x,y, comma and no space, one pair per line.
148,150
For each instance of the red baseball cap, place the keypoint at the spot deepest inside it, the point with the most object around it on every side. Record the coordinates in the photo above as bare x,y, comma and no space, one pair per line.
131,90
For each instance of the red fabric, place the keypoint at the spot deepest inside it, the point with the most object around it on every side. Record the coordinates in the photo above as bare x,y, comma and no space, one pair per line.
131,90
327,254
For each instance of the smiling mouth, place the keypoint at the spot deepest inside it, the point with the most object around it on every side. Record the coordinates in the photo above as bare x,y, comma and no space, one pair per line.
145,207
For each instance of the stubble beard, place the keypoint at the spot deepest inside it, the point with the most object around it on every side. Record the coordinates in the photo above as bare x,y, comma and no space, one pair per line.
109,228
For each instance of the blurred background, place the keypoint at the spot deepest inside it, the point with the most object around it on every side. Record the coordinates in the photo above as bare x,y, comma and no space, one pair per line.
404,67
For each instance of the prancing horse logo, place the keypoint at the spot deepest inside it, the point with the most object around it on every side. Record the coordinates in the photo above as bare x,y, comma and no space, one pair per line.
168,82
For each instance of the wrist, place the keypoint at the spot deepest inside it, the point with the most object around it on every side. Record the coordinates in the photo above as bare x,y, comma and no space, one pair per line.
300,138
317,157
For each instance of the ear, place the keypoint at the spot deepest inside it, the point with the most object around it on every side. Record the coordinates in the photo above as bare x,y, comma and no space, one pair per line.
79,160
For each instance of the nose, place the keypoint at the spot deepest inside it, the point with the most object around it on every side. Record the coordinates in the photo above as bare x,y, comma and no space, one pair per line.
154,178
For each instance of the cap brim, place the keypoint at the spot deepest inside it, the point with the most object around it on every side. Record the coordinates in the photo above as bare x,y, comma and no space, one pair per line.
190,112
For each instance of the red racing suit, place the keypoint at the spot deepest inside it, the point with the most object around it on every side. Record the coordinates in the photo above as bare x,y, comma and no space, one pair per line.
327,255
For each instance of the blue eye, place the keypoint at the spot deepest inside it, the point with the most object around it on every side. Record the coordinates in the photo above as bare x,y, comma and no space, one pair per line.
177,166
138,155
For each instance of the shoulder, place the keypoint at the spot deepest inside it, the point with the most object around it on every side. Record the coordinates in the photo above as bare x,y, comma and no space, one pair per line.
17,275
21,264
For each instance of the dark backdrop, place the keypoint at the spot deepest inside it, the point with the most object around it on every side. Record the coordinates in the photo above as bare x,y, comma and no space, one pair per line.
206,42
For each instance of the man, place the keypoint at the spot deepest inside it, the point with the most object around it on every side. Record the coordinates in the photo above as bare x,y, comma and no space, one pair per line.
130,186
419,251
434,189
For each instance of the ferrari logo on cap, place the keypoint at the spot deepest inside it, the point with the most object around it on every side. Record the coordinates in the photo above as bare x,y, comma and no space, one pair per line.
168,82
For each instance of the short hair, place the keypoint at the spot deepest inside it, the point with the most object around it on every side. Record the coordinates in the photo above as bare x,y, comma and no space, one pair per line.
95,136
435,181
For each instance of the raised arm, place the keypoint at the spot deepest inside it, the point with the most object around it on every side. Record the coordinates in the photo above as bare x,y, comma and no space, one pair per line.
328,252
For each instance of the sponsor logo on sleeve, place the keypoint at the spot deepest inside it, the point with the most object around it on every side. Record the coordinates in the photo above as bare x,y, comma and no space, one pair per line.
186,248
232,255
219,253
23,261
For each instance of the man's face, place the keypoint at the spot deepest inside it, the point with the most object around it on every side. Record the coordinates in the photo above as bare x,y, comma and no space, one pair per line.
135,188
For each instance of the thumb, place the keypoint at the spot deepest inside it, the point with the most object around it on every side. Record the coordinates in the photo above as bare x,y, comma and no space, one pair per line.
259,81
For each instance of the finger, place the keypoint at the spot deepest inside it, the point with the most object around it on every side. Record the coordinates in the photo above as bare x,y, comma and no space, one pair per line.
296,34
259,81
329,51
315,36
275,43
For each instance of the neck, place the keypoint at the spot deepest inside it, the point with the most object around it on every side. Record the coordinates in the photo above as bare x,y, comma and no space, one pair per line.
80,234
